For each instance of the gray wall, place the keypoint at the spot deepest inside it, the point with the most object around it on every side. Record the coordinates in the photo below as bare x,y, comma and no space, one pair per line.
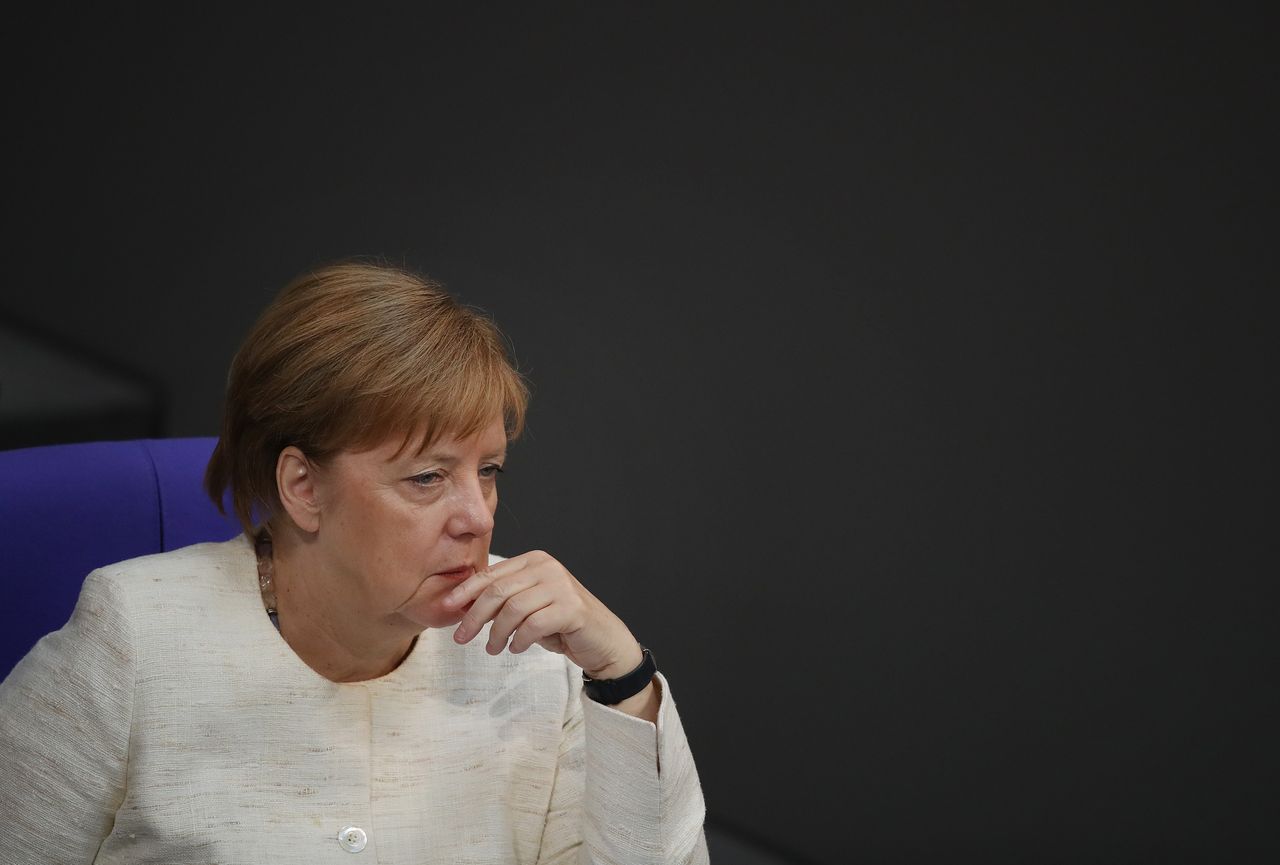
897,373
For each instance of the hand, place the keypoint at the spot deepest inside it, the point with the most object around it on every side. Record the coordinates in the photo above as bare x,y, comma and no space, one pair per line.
532,598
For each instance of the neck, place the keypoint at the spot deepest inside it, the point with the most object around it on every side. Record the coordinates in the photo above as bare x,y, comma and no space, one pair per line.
321,618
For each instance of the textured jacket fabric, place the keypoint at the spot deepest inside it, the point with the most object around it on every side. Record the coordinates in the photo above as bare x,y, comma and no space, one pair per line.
169,722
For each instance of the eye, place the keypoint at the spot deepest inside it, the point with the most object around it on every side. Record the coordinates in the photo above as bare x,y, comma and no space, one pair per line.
490,471
426,479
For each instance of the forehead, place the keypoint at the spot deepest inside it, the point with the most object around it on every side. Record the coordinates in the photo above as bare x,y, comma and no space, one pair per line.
412,446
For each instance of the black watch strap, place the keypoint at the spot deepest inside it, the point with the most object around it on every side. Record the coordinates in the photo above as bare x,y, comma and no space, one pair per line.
614,691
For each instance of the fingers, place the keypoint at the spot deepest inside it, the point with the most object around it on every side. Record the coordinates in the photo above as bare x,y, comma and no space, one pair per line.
546,622
480,580
516,613
531,596
491,595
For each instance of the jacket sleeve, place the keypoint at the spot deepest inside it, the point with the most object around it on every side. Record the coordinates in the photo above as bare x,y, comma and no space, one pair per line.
626,790
65,715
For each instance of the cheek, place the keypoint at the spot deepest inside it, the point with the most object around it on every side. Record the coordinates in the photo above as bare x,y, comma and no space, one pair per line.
414,532
361,518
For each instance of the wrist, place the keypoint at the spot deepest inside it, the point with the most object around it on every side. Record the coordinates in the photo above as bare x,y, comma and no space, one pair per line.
615,689
621,667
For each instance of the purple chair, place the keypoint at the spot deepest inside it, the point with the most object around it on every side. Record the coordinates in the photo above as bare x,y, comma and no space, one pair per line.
67,509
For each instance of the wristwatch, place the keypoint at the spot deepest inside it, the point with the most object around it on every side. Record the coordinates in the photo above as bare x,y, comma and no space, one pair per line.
614,691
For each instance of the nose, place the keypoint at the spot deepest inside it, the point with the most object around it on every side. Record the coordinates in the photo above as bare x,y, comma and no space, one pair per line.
470,513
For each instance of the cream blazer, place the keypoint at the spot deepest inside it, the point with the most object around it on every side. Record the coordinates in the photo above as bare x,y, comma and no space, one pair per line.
168,722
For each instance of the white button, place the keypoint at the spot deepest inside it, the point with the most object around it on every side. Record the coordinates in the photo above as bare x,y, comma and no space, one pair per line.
352,839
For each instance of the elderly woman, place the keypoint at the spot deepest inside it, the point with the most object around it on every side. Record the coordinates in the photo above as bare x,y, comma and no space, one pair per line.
356,675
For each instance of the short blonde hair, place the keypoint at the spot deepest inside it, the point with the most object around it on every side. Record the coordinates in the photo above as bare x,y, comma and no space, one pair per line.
346,357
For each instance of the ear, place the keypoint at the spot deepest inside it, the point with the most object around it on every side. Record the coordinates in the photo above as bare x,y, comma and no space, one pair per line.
296,485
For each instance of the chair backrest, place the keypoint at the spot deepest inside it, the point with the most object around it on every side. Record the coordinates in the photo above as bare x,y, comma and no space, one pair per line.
67,509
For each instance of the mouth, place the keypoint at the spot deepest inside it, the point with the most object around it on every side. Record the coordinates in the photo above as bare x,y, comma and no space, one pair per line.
459,573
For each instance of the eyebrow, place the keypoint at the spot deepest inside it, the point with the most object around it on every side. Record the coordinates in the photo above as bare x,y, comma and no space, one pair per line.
437,457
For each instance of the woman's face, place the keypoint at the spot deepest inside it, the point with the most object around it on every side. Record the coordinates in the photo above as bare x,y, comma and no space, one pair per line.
401,531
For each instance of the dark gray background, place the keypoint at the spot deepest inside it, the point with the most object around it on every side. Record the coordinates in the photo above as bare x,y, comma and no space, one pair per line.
901,373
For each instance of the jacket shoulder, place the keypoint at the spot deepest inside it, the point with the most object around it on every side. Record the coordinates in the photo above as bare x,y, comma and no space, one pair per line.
189,578
198,561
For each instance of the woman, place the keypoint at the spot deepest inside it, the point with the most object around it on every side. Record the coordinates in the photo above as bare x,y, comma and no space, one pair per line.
357,673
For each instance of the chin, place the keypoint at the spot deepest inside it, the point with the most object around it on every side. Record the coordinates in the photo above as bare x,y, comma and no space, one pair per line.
433,615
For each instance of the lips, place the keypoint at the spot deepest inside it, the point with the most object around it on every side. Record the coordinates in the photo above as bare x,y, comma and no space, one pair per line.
459,573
